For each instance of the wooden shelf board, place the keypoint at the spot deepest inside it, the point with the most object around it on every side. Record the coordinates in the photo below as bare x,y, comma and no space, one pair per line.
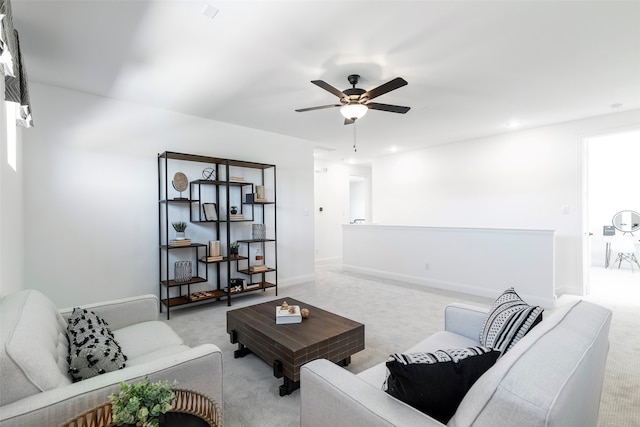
173,283
207,159
212,295
225,259
263,285
247,271
178,200
183,299
192,245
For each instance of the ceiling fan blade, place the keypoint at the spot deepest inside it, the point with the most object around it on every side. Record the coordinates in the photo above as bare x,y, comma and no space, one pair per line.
326,86
322,107
394,84
349,121
387,107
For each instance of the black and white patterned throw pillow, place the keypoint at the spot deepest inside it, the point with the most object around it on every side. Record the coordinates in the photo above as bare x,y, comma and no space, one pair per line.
509,319
92,347
435,383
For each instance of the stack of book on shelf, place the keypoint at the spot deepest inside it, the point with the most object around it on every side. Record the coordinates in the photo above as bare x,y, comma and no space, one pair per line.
258,268
212,258
236,217
236,179
183,242
260,196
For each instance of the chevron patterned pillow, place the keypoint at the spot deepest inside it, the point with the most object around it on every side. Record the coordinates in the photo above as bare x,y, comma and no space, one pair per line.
509,319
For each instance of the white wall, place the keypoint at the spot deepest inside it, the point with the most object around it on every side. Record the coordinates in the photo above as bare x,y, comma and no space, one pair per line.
91,192
331,194
529,179
11,209
476,261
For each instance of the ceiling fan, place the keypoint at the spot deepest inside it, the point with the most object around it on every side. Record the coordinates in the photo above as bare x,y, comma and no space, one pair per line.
355,102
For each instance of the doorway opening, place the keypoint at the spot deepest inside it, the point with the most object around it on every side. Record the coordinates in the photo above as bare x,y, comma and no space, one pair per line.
611,186
357,200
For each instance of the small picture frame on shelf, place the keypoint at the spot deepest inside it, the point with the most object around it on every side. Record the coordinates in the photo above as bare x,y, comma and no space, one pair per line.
210,211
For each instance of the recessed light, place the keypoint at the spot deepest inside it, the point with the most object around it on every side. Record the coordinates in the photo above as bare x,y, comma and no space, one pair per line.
210,11
513,124
323,148
617,105
393,148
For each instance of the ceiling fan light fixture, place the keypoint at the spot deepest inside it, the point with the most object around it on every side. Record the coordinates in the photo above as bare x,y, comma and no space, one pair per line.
353,111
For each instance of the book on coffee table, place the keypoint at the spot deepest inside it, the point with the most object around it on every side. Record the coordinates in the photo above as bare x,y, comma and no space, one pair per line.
289,315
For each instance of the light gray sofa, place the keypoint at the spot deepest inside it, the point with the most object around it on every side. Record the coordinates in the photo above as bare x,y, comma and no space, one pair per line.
36,389
552,377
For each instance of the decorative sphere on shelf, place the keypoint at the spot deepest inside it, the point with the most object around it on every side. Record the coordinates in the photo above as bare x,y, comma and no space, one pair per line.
304,312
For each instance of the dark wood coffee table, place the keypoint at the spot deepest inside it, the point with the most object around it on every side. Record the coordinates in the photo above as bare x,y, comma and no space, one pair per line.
323,335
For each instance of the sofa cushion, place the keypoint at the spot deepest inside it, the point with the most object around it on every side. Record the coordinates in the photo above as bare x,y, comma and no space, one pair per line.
570,347
509,319
33,355
435,383
158,354
145,338
441,339
93,349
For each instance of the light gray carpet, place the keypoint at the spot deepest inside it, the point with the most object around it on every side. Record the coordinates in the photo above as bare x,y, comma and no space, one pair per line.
396,316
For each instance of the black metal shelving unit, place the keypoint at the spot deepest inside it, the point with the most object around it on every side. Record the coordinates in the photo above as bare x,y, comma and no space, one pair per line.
224,189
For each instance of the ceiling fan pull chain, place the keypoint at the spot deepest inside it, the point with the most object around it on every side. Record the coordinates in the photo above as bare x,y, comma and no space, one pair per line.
355,149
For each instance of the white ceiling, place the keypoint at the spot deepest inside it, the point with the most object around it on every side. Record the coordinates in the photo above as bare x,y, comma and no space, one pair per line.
472,66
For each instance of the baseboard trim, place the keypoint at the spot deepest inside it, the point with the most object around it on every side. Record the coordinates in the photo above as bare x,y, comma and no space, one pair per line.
297,280
451,286
329,260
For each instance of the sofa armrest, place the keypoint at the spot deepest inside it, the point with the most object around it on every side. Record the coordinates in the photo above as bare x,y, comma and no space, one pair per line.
198,369
464,319
332,396
123,312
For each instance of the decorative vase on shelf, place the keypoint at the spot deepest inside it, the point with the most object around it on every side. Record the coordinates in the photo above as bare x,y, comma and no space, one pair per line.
180,227
182,271
258,231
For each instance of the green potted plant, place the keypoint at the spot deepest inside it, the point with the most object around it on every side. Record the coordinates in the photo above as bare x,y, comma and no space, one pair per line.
142,404
179,226
233,248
